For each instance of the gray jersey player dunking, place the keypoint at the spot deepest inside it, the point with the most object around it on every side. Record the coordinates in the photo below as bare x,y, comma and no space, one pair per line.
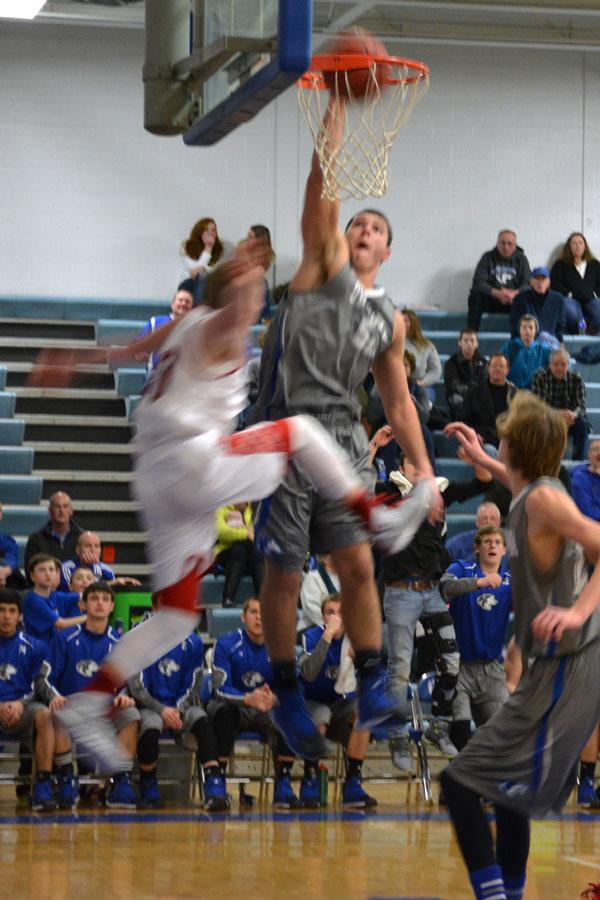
524,759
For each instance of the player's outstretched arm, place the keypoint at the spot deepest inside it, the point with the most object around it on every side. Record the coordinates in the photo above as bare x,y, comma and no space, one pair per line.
474,453
552,514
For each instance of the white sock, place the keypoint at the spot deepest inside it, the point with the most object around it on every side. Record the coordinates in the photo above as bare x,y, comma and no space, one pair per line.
147,642
326,464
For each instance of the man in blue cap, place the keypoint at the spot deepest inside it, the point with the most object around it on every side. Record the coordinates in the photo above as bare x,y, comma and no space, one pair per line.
548,307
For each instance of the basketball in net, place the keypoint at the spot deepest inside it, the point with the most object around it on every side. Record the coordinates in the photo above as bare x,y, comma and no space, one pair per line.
355,99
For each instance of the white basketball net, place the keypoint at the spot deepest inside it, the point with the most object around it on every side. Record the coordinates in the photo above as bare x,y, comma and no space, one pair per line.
358,165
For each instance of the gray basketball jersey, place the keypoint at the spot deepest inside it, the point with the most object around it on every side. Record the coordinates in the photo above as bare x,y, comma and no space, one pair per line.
321,347
560,586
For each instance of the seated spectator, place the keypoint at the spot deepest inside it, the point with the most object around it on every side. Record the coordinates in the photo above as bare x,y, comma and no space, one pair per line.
182,303
202,250
464,369
428,367
166,693
585,483
461,546
59,535
262,233
71,662
235,549
242,699
500,274
480,600
80,580
576,275
88,553
525,353
548,307
319,582
565,391
45,609
21,718
332,705
483,403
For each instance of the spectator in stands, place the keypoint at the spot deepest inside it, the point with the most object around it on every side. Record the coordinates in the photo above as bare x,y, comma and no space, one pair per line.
585,483
21,718
262,233
59,535
565,391
80,580
576,275
480,600
242,698
319,582
166,693
548,307
525,353
182,303
46,610
428,367
235,549
88,554
72,660
202,250
464,369
500,274
461,546
10,574
329,684
483,403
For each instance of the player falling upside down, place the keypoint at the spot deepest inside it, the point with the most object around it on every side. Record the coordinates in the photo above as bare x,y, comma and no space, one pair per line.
188,465
524,759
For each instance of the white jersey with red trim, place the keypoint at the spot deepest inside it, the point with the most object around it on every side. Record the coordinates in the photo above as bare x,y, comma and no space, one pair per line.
183,397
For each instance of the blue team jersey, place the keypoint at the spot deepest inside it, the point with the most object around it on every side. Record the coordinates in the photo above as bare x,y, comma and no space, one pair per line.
74,657
100,571
174,675
322,689
239,665
40,613
480,617
21,657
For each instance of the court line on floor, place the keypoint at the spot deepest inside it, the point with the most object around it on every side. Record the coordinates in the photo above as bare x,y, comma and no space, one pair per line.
582,862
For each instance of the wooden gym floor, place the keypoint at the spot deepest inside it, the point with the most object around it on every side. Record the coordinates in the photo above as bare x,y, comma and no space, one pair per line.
401,851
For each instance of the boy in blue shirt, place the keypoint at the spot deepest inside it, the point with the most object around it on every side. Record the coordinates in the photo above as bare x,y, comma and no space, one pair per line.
71,661
20,716
480,598
46,610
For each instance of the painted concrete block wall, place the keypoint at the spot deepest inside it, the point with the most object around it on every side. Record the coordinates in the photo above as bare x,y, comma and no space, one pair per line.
94,206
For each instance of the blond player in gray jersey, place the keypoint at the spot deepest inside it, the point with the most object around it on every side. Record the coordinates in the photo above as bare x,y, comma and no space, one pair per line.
524,759
333,328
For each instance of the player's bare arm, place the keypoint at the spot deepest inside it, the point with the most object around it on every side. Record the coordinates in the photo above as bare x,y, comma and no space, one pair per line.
553,516
325,249
474,452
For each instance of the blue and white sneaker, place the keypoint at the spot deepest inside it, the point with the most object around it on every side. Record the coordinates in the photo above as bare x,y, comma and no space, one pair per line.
309,792
43,799
283,794
376,705
216,798
586,793
354,795
292,718
149,795
120,794
68,791
86,717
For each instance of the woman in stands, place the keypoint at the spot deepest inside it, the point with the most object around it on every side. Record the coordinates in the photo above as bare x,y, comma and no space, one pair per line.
428,367
202,250
576,275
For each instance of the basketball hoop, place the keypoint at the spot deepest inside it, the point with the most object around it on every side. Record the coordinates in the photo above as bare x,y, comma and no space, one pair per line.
378,94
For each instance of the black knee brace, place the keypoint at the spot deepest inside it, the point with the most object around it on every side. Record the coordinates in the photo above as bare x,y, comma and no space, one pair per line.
439,628
147,747
444,689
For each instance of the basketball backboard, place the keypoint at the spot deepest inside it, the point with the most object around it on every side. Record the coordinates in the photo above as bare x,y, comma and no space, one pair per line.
213,64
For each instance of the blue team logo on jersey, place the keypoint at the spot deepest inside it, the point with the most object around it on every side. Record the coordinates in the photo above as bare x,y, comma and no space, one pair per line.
87,667
7,671
252,680
487,602
168,667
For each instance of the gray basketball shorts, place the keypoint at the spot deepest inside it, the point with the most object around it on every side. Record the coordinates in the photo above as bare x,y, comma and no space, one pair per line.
480,691
152,721
337,716
295,520
525,758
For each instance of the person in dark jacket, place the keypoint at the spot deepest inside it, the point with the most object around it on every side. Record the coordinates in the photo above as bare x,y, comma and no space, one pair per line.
548,307
500,274
465,368
576,275
59,535
484,402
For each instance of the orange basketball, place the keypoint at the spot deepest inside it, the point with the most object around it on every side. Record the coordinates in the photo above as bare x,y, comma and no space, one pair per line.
357,83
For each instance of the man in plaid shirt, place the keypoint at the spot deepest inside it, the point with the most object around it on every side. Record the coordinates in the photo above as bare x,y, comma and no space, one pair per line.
565,391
